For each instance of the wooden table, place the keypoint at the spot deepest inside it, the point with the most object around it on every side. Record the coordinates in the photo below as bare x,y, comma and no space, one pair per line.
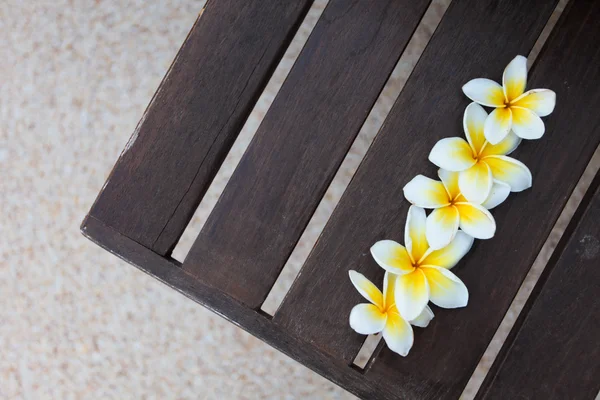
205,98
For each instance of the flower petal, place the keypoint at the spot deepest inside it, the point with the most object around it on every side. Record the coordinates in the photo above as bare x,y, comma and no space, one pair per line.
412,294
423,319
497,125
476,182
514,78
398,334
476,221
367,319
510,171
389,289
414,233
498,194
485,92
366,288
426,192
450,181
450,255
445,289
441,227
527,124
473,123
505,147
452,154
540,101
392,257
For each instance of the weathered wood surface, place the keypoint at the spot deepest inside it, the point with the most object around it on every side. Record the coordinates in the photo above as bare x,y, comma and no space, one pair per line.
373,208
300,144
194,118
259,324
450,349
553,351
162,175
429,108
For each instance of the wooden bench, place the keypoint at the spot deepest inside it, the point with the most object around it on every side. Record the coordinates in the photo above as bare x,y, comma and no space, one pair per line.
207,95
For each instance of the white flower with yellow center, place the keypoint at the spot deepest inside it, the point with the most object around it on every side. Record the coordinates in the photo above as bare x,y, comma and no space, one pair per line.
382,314
515,109
451,209
423,273
479,162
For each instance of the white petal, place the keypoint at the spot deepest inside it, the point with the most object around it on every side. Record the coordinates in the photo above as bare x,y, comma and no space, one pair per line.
398,334
389,289
476,182
514,78
452,154
412,294
450,181
450,255
441,227
414,233
505,147
366,288
497,125
392,257
473,124
367,319
424,318
476,221
540,101
527,124
510,171
445,289
426,192
485,92
498,194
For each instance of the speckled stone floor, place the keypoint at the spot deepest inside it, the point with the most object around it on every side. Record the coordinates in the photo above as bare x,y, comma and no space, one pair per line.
76,322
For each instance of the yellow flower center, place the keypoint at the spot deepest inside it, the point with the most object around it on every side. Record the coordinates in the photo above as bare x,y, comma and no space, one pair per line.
417,264
477,154
508,103
459,198
386,308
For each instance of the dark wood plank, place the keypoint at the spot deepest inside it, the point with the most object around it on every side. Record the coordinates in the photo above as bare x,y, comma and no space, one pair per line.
258,324
373,207
555,339
194,118
445,354
300,145
450,350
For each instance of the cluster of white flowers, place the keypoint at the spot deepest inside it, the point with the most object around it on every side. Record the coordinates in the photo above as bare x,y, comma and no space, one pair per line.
475,175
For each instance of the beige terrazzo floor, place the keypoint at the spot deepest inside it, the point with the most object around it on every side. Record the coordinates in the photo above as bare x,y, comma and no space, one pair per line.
76,322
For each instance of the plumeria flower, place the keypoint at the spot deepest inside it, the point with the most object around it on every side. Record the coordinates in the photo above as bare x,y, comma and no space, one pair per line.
423,273
382,314
515,110
479,162
451,210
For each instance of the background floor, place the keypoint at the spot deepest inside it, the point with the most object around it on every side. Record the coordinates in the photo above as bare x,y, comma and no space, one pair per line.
76,322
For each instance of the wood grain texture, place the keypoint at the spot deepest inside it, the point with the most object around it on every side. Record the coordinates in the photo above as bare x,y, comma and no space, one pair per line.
298,149
300,144
169,271
373,207
194,118
553,350
447,352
